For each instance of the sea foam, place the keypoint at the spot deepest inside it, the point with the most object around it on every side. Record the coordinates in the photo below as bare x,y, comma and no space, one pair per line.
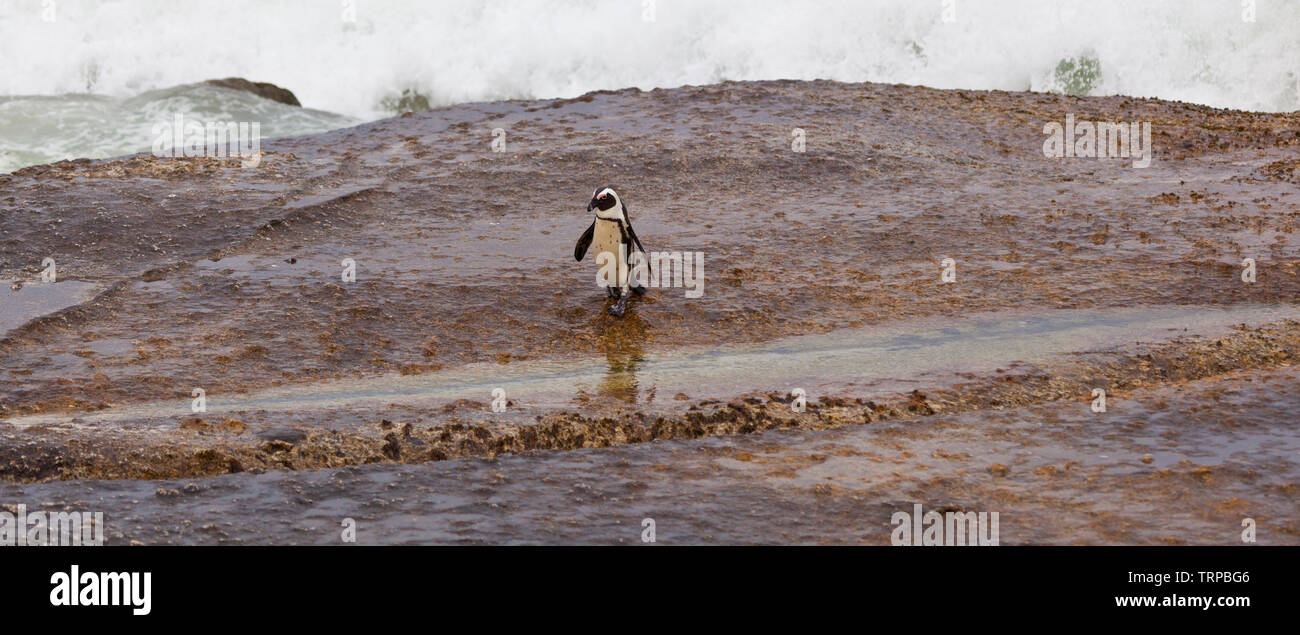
367,59
454,51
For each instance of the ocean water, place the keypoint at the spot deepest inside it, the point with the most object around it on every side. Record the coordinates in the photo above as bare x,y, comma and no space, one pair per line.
90,78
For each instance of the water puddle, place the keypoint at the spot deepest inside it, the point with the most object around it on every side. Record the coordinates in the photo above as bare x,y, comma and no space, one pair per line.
876,360
1176,461
34,299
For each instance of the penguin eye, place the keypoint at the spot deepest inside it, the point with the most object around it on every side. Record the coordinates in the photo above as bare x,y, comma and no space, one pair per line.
602,196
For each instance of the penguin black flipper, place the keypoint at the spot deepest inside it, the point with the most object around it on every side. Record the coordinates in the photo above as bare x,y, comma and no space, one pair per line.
632,234
629,238
584,242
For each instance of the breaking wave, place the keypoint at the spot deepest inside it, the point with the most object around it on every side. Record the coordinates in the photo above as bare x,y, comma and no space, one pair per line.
367,59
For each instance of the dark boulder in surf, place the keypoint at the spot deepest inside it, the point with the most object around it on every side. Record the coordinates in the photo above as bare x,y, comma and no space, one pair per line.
261,89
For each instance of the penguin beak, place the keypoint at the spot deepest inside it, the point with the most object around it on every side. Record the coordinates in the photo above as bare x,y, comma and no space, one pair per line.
591,205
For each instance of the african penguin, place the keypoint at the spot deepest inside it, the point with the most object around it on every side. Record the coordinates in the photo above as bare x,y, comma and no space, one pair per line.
611,229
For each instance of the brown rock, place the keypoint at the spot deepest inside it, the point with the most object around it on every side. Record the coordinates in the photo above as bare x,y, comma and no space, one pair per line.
234,426
195,424
261,89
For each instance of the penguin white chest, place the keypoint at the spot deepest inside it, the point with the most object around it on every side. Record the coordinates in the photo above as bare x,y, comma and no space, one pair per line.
607,239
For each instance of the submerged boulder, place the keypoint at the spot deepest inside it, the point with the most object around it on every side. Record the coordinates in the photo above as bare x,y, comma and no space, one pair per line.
261,89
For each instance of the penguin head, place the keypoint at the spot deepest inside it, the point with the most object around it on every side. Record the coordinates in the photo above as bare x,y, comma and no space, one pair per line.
606,203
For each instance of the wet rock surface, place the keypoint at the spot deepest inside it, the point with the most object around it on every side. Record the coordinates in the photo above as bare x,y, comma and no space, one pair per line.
311,436
463,254
226,278
1178,464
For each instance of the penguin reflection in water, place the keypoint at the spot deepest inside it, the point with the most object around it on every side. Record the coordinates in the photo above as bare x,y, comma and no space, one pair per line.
612,233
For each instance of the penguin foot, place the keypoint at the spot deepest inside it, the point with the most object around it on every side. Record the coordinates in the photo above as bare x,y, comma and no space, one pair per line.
638,290
619,307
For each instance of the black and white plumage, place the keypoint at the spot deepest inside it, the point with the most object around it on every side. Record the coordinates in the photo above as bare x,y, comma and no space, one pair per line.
610,230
